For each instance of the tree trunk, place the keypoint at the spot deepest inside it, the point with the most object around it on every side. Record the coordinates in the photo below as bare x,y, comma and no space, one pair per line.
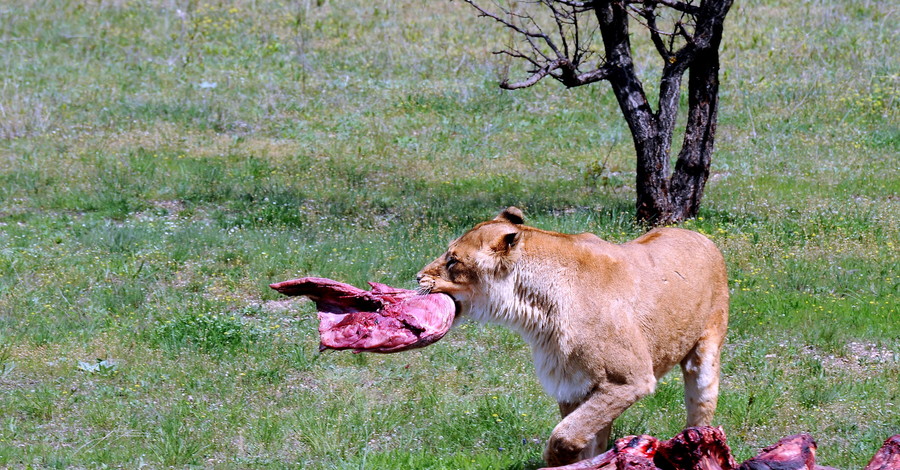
663,196
690,44
653,185
692,168
649,143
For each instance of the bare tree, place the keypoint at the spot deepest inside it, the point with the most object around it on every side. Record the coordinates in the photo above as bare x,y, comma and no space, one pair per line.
556,39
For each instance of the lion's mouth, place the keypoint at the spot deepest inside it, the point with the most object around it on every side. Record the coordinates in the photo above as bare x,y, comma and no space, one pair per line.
428,288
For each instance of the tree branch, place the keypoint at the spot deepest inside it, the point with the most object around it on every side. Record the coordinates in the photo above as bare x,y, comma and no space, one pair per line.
558,54
612,16
676,5
570,3
596,75
559,17
534,78
519,55
679,29
649,14
518,29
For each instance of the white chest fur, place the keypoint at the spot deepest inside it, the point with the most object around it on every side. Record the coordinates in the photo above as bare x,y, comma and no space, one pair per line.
534,317
561,381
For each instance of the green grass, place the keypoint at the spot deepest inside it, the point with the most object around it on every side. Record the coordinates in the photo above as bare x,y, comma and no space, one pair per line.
144,211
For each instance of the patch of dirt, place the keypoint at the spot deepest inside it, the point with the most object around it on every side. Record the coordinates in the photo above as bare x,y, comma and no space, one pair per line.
861,358
172,207
872,353
282,306
718,175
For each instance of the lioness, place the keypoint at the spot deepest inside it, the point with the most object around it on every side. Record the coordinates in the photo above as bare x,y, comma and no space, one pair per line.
604,321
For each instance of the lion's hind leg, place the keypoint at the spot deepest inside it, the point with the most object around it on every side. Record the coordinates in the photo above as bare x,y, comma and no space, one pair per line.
701,378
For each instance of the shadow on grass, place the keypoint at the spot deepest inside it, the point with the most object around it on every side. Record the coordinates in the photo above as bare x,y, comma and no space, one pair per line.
529,465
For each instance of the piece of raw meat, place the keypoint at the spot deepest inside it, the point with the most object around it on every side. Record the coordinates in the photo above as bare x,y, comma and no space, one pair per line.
704,448
888,457
698,448
797,452
632,453
385,319
636,453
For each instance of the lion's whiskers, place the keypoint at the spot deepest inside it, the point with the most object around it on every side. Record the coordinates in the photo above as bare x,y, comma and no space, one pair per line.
424,290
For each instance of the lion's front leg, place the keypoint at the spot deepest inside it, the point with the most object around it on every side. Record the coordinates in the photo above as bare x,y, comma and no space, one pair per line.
591,421
598,444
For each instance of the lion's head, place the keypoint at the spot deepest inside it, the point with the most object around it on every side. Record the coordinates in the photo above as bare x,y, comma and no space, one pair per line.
481,255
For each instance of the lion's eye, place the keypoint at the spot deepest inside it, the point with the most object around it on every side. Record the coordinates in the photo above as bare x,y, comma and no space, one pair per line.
451,261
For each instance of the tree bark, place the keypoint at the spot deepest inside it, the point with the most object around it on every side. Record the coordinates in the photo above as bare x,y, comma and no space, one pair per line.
692,45
665,196
692,168
649,144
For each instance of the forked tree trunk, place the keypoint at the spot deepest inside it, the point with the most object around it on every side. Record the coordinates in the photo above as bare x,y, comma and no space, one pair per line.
692,168
690,46
665,196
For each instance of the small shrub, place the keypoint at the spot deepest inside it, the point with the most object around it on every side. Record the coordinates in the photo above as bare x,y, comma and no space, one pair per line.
6,363
174,445
102,367
268,429
209,333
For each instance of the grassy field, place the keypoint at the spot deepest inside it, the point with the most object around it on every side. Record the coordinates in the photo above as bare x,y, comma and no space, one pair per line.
161,162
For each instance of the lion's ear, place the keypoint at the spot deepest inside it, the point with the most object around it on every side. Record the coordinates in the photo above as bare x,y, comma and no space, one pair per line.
512,215
506,242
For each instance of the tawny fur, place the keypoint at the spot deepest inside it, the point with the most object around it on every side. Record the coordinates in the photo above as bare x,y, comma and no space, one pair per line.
604,321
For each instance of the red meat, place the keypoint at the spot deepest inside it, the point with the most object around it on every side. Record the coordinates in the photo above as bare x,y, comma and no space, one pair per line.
384,320
888,457
704,448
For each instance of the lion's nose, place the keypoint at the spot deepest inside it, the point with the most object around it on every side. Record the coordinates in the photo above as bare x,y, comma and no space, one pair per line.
419,277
